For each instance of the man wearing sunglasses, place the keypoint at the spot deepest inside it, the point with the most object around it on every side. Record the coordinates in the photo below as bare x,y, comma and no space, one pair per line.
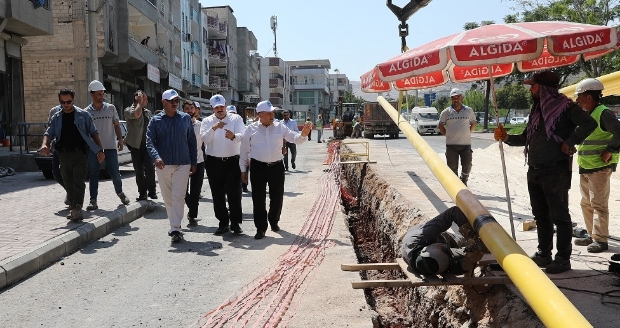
75,133
171,142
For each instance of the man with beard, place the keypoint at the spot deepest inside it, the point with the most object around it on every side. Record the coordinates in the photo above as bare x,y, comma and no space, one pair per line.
555,126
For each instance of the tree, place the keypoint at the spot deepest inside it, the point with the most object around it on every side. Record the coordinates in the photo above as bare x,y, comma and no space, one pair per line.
470,26
513,96
349,97
441,103
596,12
409,100
474,99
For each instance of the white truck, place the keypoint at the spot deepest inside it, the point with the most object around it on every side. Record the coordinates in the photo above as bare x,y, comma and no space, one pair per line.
425,120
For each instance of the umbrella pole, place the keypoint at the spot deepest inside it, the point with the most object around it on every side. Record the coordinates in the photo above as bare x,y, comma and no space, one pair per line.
501,151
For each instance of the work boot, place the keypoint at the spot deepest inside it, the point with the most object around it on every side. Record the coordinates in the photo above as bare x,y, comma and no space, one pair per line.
464,179
583,241
176,236
92,205
67,201
541,260
124,199
558,266
597,247
142,196
77,214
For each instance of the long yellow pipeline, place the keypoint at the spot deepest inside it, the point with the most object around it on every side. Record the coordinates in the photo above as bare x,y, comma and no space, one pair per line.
610,81
551,306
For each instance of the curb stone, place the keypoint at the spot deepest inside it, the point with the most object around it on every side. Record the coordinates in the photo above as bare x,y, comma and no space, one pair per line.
28,262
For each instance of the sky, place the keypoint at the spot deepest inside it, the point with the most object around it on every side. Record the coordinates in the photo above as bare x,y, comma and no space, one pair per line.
355,35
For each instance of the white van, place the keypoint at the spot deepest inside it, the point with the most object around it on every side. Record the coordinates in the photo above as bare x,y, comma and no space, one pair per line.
425,120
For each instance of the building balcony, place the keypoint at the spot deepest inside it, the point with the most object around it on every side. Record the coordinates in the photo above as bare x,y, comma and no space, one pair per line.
141,54
216,58
275,61
22,19
312,86
195,17
276,83
276,101
196,80
213,25
276,95
195,48
141,8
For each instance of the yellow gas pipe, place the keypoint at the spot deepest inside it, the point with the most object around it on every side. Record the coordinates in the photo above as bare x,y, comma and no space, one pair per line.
551,306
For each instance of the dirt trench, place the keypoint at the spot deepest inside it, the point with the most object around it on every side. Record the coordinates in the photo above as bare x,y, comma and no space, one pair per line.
378,216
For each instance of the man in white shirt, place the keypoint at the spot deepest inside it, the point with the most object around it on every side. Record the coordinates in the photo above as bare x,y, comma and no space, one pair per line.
261,144
456,123
292,148
221,133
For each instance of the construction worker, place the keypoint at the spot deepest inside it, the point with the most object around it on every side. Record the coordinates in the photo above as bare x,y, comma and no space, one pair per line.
429,249
597,159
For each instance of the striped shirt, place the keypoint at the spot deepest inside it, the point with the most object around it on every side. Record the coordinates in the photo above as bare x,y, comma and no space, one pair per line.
172,139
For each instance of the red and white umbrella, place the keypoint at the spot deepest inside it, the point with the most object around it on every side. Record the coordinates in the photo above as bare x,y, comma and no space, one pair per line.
532,46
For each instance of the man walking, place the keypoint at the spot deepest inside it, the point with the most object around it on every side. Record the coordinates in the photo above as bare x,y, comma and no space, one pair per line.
55,157
106,120
171,142
555,126
597,158
319,128
261,146
138,118
221,133
456,123
291,147
75,133
196,179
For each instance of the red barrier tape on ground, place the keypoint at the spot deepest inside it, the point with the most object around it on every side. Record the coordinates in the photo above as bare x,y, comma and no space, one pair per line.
271,300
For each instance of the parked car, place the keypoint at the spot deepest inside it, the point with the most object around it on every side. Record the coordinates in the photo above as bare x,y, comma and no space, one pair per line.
518,120
502,120
45,162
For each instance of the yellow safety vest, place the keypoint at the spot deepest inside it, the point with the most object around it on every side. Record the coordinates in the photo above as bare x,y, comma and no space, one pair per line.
595,144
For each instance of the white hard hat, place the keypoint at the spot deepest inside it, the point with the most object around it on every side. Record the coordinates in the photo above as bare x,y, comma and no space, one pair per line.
95,85
456,92
589,84
433,259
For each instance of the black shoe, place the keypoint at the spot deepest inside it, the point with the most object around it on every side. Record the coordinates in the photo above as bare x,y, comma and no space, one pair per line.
541,260
237,230
275,227
141,197
221,231
286,169
558,266
176,236
192,221
259,235
293,165
152,195
245,190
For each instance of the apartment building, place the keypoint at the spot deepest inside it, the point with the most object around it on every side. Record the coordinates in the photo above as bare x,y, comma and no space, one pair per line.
19,20
222,50
310,88
339,84
274,82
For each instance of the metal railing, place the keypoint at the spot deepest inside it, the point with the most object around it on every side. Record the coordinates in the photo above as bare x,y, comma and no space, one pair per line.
23,132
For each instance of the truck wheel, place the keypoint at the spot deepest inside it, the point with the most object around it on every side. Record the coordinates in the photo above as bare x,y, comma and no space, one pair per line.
48,174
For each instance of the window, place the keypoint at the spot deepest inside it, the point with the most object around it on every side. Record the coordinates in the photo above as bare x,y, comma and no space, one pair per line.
305,98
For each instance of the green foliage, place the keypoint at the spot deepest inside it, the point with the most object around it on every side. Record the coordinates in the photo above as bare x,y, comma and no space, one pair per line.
474,99
513,95
470,26
349,97
409,100
441,103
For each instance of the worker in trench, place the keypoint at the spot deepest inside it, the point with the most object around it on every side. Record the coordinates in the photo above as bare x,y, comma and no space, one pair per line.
429,249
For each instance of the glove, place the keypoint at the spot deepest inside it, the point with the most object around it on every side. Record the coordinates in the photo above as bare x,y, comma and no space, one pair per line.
500,134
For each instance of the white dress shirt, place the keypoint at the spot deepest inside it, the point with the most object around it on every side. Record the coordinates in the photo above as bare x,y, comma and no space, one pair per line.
216,142
291,124
199,157
264,143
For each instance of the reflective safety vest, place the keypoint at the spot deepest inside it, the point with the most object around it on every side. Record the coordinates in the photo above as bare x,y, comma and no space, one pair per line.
590,150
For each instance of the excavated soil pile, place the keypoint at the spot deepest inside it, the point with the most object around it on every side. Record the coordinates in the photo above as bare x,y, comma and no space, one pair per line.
378,216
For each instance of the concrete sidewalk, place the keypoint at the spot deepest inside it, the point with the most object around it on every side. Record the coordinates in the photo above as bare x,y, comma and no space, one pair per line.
34,230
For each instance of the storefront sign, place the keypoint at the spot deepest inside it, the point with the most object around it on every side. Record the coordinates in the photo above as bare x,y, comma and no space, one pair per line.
152,73
174,81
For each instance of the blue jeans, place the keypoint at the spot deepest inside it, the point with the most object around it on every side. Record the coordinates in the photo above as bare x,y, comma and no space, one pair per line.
111,165
319,132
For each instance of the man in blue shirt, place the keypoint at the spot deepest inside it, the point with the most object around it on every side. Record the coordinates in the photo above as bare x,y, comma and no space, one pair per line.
292,147
171,143
75,135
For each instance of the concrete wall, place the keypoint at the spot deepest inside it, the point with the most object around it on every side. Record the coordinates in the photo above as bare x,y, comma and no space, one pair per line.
24,20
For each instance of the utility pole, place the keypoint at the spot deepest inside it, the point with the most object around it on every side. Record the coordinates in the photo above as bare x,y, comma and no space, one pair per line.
92,40
274,26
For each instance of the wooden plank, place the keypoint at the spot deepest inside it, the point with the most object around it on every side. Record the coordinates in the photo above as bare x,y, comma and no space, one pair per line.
357,162
369,266
417,278
380,283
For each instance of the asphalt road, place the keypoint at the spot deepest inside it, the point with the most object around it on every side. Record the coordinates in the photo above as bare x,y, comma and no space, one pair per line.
136,277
